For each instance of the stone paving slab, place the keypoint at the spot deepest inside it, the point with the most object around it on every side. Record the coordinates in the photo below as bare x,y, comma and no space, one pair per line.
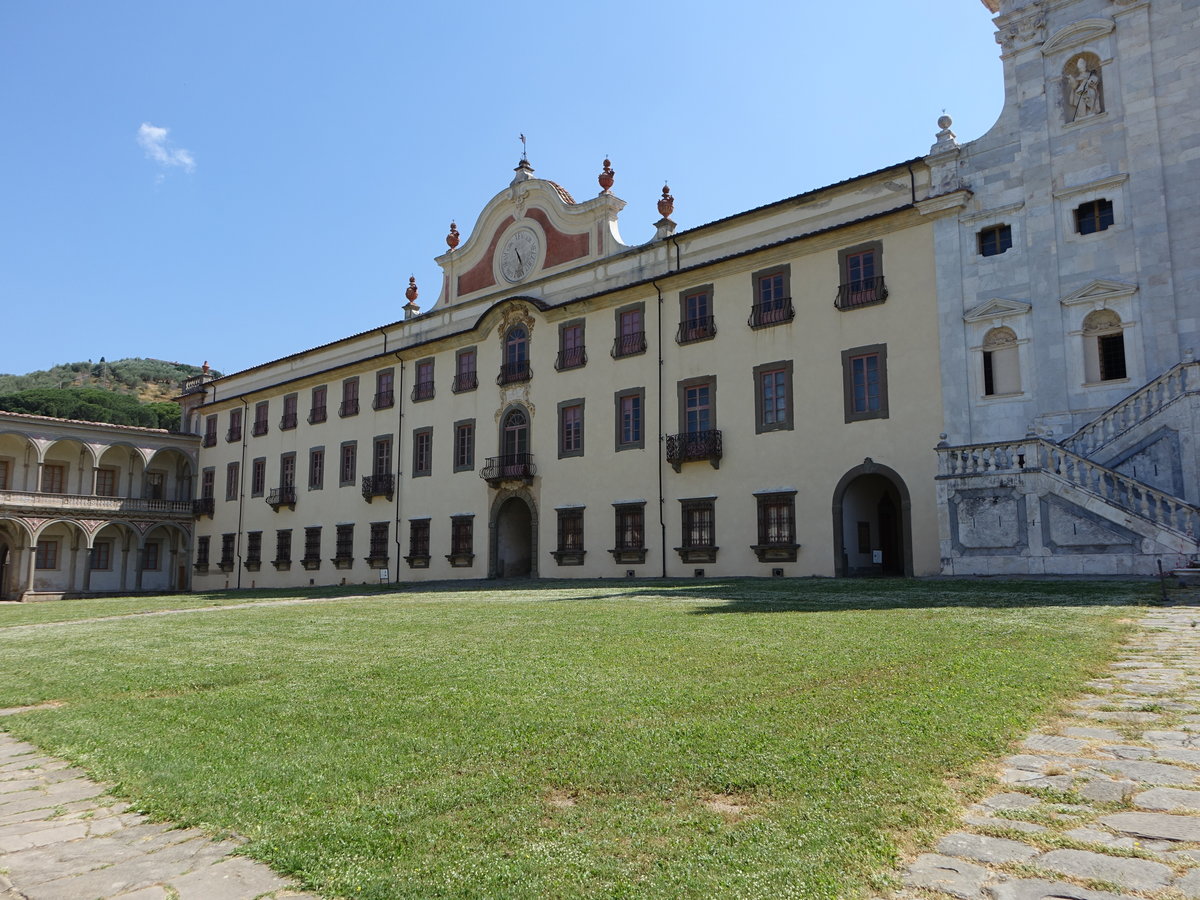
62,838
1135,766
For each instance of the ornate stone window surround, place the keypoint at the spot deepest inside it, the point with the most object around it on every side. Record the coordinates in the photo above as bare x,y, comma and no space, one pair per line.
1097,295
982,319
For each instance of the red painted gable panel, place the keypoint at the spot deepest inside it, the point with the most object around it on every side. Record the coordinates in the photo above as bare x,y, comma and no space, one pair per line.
560,246
480,275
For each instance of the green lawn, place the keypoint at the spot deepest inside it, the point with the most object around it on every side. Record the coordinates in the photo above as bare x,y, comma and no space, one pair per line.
607,739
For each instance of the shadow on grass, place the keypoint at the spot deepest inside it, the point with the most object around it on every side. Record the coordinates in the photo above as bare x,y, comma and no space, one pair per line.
766,595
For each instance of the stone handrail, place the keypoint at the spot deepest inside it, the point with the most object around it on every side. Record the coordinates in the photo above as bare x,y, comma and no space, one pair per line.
1172,384
1034,454
104,506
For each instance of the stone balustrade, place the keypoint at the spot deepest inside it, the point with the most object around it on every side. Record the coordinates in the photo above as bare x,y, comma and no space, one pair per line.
86,504
1177,381
1039,455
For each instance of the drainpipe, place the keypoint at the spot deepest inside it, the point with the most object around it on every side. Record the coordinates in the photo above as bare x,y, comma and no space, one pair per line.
912,180
241,489
399,445
662,522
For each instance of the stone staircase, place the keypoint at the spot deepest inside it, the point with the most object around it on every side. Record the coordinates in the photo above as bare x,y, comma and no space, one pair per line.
1116,497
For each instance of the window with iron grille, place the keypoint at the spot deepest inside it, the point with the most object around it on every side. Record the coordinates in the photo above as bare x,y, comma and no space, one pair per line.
696,321
418,537
465,376
464,445
630,520
379,540
316,468
1111,349
385,395
994,240
631,332
570,428
261,411
234,433
423,386
283,545
253,548
462,533
699,529
202,545
772,297
208,479
422,452
1094,216
344,544
258,476
227,545
231,481
349,405
570,530
312,543
348,466
571,352
288,422
777,519
317,411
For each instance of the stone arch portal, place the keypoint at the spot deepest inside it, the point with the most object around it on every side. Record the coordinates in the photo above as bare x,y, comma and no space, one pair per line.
872,522
513,536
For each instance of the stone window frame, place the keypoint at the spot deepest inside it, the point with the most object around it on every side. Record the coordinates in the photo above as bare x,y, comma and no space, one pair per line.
563,555
560,364
848,383
290,417
473,352
564,405
1002,230
208,481
316,474
844,256
786,313
347,476
378,400
46,555
681,389
618,314
283,560
233,480
468,464
233,433
775,551
253,559
692,553
987,362
760,425
351,402
387,441
640,443
101,560
258,476
262,418
1069,200
318,413
424,389
462,552
422,468
311,560
283,468
628,554
414,559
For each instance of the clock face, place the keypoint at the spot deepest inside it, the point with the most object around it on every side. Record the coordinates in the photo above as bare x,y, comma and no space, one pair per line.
519,256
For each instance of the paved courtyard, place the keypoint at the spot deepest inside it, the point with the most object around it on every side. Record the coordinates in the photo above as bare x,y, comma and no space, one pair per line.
1103,804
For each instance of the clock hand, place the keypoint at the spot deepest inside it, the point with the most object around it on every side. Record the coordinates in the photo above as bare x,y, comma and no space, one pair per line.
519,260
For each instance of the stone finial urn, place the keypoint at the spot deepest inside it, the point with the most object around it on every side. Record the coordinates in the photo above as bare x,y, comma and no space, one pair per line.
606,177
452,238
666,205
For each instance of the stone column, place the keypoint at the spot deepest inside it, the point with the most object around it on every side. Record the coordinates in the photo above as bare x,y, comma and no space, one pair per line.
72,566
125,564
32,554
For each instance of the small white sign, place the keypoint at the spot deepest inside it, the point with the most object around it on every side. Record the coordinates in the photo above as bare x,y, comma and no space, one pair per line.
877,557
384,577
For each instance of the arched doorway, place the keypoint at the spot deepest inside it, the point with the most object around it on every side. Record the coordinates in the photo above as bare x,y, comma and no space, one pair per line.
513,537
872,523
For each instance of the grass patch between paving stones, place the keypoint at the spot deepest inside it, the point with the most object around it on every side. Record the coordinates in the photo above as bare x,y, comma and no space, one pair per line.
739,738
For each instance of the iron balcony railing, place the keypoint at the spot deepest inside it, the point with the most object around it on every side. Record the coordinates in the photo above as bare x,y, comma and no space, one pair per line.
348,408
210,439
287,421
512,465
233,435
378,486
465,381
422,390
772,312
696,330
204,506
514,372
316,415
282,496
572,358
386,399
260,428
629,344
692,445
864,292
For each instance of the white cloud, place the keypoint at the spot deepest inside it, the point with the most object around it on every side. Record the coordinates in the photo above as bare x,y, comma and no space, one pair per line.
154,141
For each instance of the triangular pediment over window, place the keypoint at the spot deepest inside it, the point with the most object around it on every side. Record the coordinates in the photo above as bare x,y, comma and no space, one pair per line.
1100,291
996,308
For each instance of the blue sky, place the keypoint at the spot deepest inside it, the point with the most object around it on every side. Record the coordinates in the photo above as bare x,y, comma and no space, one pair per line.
237,181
